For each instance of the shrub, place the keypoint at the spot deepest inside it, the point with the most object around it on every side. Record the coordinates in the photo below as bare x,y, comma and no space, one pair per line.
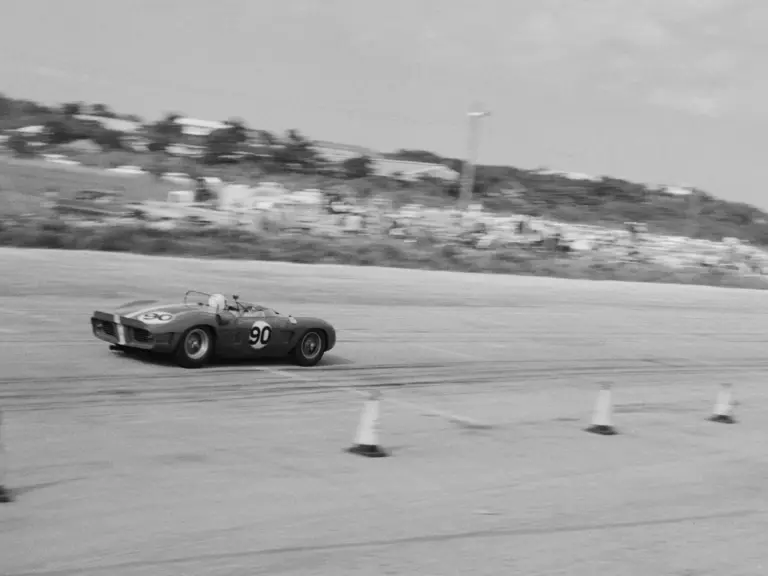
358,250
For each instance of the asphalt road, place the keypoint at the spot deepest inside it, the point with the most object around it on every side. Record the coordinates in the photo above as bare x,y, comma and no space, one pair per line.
127,467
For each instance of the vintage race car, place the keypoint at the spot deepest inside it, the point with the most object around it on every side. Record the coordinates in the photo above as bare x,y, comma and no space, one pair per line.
205,326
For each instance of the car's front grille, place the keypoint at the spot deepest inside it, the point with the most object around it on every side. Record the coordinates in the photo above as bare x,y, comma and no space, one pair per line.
141,335
109,328
126,335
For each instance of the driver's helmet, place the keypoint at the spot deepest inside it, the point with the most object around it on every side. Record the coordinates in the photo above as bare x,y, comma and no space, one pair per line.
218,302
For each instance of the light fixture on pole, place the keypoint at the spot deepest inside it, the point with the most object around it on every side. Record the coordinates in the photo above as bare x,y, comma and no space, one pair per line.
468,173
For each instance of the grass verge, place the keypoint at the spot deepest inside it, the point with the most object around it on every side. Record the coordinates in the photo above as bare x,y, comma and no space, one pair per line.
356,251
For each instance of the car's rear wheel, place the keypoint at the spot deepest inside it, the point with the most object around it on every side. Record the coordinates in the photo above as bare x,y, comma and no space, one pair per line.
310,349
195,348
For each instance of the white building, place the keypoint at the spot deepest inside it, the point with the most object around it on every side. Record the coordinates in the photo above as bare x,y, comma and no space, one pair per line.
569,175
338,153
411,171
36,130
197,127
382,166
116,124
673,190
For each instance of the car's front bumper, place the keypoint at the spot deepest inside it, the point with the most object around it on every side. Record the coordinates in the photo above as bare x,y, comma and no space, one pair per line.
121,331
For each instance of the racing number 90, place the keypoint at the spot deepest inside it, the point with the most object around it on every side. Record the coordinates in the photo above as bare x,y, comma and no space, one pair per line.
260,335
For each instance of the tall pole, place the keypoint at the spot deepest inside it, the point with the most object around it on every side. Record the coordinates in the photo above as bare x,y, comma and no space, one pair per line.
468,173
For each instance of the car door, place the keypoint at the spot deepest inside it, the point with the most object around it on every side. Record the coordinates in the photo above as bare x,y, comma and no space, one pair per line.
262,334
227,338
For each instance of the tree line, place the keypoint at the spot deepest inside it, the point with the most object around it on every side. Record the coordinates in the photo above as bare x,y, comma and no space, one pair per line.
505,188
232,143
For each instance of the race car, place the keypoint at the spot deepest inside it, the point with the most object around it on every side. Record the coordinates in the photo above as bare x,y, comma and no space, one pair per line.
206,326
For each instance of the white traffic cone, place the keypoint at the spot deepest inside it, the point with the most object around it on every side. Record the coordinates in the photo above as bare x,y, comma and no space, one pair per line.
723,411
601,418
366,440
5,493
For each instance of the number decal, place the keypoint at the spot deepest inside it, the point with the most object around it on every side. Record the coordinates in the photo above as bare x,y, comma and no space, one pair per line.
156,317
260,335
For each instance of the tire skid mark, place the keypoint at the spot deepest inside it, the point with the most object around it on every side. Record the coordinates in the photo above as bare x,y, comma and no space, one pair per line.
210,385
501,532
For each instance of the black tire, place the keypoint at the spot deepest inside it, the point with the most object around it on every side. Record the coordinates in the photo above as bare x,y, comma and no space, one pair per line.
195,348
310,349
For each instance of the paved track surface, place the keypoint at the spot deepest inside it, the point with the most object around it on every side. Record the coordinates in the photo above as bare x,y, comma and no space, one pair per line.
125,467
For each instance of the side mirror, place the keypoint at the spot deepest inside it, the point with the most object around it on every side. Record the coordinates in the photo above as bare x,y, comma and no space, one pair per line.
220,320
235,297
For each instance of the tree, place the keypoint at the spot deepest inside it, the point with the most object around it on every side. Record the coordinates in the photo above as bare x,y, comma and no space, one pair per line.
108,139
6,106
102,110
238,128
57,131
63,129
417,156
358,167
224,143
268,139
164,132
169,125
71,108
32,108
19,145
295,151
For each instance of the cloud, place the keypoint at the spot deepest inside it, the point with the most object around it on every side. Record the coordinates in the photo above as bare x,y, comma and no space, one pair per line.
60,74
693,54
50,72
708,105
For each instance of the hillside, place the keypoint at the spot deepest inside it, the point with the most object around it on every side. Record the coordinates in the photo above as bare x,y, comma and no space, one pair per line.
240,153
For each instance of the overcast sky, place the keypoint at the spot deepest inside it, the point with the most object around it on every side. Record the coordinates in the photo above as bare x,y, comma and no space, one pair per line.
659,91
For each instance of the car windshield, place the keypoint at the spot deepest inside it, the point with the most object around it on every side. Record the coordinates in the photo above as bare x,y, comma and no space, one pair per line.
194,297
251,307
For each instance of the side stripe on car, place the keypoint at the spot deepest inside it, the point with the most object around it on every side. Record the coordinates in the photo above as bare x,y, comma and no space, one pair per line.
120,329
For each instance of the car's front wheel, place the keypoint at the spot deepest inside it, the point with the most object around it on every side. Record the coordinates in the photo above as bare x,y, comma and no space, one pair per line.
310,349
195,348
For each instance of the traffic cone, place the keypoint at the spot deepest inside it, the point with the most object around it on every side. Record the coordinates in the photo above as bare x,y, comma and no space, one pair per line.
366,441
5,493
601,418
723,411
